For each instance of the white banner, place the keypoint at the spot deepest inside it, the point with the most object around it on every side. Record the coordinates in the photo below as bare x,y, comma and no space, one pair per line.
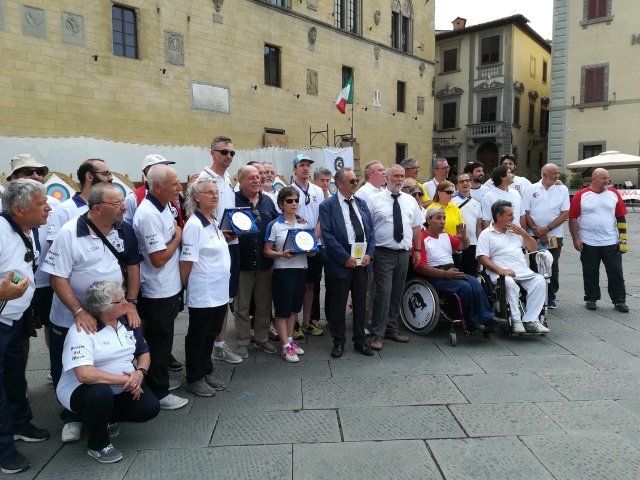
336,159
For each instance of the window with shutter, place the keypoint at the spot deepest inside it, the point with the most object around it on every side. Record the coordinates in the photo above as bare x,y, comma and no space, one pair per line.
450,60
594,85
490,50
516,111
449,111
597,9
488,109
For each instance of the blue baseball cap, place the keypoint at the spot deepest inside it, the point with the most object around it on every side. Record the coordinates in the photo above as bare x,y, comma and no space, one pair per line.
301,158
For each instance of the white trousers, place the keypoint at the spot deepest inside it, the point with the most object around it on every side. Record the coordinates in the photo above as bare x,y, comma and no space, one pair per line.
536,288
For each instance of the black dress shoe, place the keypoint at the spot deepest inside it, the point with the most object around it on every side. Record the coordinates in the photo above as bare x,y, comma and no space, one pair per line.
495,322
364,349
337,351
476,327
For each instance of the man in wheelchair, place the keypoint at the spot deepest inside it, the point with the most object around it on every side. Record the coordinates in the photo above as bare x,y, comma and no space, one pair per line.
499,251
437,265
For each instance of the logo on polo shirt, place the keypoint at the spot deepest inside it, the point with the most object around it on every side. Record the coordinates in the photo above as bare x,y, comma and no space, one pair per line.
118,244
536,195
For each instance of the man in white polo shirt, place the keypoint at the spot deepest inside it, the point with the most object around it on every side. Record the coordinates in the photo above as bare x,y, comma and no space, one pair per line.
475,170
159,237
520,184
502,179
396,221
546,207
598,226
76,258
441,170
471,211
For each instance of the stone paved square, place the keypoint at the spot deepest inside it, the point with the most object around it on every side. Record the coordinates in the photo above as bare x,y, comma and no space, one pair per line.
591,416
505,388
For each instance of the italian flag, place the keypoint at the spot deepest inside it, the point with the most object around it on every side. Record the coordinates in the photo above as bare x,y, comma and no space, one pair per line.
346,96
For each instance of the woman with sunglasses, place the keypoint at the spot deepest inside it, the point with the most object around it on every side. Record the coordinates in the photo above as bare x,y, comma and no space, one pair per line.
442,199
416,192
205,266
289,271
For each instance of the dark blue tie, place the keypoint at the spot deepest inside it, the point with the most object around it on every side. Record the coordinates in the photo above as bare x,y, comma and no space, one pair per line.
397,219
355,222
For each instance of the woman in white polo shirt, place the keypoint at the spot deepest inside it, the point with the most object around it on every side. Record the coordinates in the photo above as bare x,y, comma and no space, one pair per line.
204,269
289,271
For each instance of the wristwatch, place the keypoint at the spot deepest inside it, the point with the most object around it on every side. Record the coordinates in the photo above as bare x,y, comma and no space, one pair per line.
132,300
143,370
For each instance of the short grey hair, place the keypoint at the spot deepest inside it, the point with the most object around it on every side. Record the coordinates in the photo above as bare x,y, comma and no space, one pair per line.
198,186
368,168
96,194
437,161
388,171
340,174
322,171
407,162
498,208
241,169
409,182
19,193
157,174
99,296
220,139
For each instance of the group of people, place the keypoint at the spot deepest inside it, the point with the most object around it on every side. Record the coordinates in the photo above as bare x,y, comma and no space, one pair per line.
108,275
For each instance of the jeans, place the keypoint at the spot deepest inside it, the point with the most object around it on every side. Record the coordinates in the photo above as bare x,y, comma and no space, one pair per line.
475,304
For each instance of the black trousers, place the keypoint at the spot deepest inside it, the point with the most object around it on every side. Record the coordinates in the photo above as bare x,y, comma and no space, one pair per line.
591,257
468,262
158,315
204,326
57,336
99,406
15,412
338,292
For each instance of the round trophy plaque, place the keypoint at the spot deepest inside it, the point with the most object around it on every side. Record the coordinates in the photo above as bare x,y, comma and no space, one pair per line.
240,220
304,241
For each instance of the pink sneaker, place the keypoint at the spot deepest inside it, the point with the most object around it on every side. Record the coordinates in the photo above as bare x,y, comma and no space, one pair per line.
297,348
289,354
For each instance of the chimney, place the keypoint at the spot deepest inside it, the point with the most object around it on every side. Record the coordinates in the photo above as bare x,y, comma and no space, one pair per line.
459,23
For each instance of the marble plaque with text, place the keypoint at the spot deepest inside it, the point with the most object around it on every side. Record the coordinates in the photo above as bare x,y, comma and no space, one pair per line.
209,97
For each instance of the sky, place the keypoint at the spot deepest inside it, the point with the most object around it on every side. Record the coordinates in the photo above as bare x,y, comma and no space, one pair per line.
539,12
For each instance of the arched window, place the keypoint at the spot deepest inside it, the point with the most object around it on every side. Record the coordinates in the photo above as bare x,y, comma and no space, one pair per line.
402,25
347,15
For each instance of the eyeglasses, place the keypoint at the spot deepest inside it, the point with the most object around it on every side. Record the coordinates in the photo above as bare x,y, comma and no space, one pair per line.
117,204
122,301
224,152
405,188
413,168
443,168
106,173
256,215
292,200
448,192
353,181
29,256
417,194
464,181
27,172
210,194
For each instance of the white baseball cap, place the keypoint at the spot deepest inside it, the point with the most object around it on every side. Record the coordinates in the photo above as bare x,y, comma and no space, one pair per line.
155,159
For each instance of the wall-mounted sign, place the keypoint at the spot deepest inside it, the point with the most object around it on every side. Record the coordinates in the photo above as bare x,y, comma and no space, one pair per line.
635,39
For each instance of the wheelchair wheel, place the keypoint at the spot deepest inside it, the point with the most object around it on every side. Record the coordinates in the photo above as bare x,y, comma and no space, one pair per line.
453,339
420,309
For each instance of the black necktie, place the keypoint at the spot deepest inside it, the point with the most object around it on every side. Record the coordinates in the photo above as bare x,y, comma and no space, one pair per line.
355,222
397,219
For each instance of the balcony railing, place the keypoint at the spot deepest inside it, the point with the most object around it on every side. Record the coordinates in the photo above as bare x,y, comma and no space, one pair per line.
489,129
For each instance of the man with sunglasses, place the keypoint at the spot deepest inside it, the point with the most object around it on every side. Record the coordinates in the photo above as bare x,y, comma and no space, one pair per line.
76,258
411,170
255,268
345,220
311,196
37,316
471,211
24,208
222,154
440,173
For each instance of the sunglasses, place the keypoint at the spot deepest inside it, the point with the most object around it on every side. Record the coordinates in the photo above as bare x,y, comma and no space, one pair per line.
353,181
226,152
448,192
417,194
256,215
29,256
292,200
27,172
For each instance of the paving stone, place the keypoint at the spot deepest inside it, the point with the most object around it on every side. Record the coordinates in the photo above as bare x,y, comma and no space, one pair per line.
487,458
263,428
505,388
163,432
37,379
270,462
632,437
39,454
423,348
316,349
603,355
595,385
564,330
631,404
475,345
80,466
380,391
596,416
586,456
490,420
253,396
629,342
630,319
531,363
281,371
434,365
532,344
593,323
39,360
398,460
398,423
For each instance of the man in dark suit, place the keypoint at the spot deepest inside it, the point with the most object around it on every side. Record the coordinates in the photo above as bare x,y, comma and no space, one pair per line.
345,221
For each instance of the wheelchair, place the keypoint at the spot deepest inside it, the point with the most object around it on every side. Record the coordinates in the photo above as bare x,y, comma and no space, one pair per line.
498,302
422,307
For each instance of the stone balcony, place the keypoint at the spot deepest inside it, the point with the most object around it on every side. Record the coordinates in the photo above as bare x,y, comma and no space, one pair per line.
486,130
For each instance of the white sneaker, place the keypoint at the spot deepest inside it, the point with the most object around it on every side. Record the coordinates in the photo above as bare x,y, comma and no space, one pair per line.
296,348
535,327
172,402
289,354
226,355
173,385
517,327
71,432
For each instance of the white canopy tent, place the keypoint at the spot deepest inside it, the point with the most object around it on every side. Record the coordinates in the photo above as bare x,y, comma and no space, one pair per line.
610,160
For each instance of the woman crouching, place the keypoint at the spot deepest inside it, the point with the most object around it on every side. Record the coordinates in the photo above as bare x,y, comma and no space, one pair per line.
99,380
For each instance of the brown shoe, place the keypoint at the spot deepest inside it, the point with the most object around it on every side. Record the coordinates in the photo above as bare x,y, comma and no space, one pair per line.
376,343
396,337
